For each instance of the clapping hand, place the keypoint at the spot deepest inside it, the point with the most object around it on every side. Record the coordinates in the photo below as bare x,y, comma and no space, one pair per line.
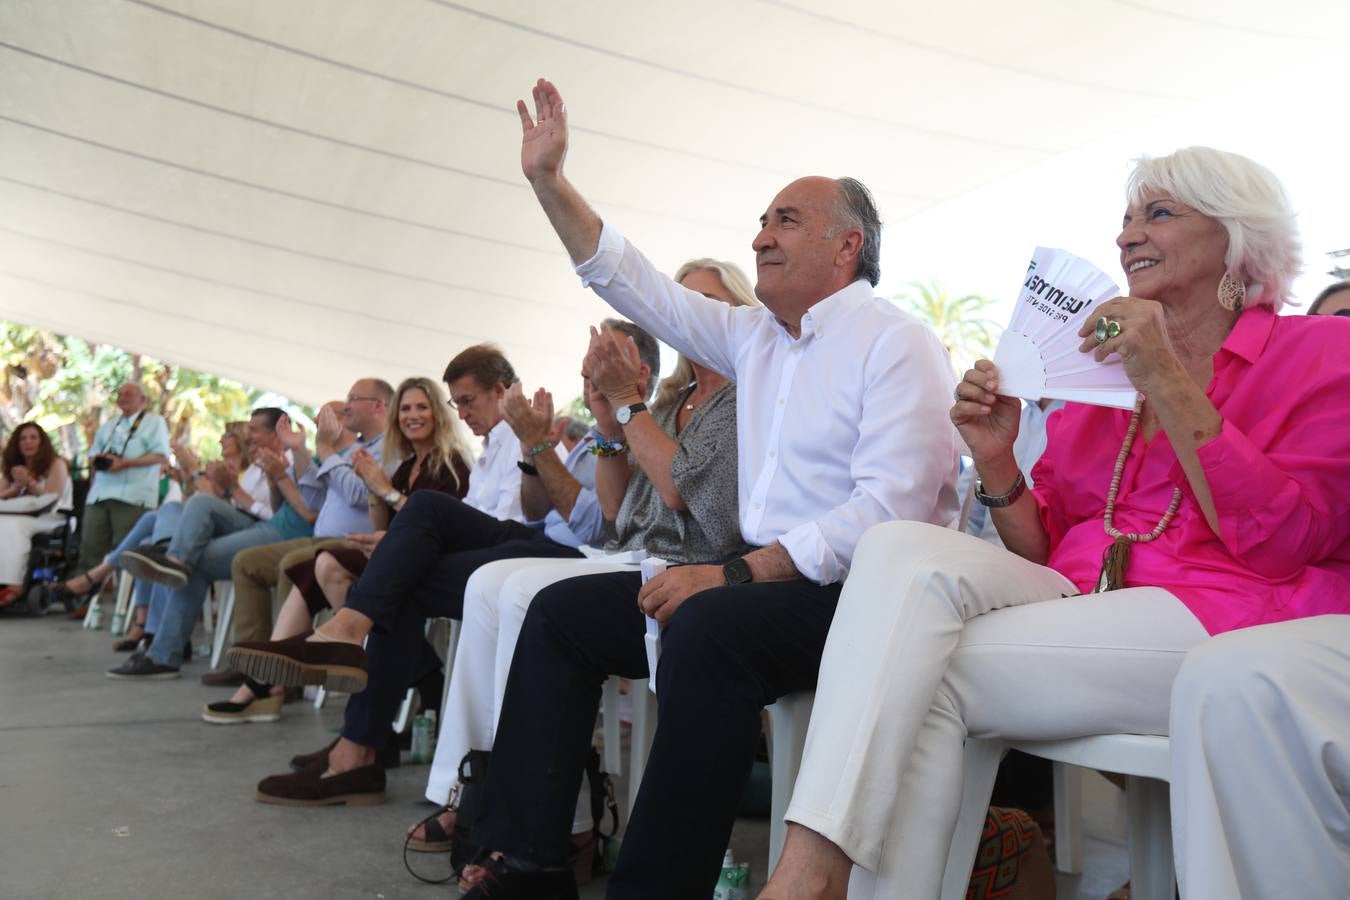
543,144
529,419
291,435
329,427
370,471
603,412
613,366
272,463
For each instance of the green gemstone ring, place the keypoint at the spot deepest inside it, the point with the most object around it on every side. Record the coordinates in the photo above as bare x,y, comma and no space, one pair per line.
1105,330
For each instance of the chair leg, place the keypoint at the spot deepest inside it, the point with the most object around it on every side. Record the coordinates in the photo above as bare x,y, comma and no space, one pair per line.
404,717
1152,875
122,609
981,769
1068,818
644,732
320,696
788,720
610,716
224,622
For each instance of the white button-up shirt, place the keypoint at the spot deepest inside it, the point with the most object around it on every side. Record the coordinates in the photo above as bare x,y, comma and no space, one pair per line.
838,430
494,483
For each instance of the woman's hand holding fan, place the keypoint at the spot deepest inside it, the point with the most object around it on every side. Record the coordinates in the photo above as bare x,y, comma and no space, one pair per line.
988,423
1142,343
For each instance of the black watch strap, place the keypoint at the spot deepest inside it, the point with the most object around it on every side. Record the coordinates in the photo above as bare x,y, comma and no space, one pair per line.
527,468
738,571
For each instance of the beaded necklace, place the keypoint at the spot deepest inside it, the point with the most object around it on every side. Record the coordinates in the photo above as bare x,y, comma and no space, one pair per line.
1117,556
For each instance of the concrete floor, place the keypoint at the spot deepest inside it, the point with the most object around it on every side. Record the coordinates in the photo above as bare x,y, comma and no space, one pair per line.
110,789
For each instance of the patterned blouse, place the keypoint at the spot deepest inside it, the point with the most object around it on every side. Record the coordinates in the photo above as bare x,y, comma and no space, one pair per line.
704,470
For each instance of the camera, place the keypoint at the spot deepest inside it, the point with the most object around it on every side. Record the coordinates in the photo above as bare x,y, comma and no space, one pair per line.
103,462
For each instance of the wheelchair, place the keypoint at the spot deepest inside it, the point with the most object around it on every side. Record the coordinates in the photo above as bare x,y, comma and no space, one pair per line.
53,557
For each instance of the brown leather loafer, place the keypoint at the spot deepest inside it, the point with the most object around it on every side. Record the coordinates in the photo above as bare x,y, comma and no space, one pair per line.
305,760
295,661
309,787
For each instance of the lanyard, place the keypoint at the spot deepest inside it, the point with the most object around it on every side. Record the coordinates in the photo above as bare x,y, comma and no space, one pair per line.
136,423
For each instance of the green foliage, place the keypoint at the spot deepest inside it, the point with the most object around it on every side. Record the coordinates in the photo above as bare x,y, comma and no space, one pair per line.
960,322
577,409
66,385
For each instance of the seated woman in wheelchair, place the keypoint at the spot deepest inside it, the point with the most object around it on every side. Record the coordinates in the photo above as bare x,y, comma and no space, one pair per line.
1216,505
34,484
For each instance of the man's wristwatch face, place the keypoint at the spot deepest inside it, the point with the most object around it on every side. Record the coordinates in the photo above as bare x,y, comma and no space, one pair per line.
738,572
624,414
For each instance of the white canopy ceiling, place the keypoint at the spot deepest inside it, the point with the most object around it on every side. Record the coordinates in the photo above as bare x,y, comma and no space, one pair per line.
297,193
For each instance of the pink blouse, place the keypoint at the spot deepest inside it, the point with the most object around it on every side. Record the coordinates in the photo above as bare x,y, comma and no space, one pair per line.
1279,473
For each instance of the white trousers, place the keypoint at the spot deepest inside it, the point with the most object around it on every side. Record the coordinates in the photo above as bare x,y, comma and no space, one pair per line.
16,540
496,598
1261,763
939,635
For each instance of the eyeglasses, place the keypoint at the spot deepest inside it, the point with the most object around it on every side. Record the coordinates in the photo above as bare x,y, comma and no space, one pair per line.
352,398
465,400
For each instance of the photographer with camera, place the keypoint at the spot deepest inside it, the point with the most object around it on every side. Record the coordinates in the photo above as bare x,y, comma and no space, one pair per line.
124,463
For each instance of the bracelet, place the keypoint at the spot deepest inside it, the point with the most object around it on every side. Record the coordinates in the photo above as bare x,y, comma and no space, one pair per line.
527,468
606,448
539,448
1013,494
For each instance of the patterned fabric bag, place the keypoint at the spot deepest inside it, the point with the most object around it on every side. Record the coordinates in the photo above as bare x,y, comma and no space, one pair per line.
1011,862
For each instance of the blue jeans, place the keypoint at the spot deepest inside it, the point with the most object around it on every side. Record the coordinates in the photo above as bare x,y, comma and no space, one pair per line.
151,528
209,534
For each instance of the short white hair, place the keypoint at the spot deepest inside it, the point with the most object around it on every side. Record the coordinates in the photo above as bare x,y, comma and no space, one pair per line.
1244,197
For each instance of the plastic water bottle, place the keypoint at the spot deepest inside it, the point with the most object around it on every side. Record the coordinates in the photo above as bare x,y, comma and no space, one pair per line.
421,739
118,623
734,882
95,616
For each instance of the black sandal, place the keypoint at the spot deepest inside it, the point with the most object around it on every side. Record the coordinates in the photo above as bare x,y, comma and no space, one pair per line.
440,843
94,586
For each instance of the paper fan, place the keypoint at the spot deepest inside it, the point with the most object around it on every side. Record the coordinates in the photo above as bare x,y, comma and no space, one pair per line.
1038,355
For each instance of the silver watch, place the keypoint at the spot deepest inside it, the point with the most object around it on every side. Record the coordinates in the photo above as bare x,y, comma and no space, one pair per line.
392,496
624,414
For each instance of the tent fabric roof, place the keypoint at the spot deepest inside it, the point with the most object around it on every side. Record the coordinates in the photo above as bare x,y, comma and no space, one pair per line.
298,194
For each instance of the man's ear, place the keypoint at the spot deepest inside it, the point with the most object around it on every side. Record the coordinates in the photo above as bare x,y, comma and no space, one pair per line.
645,379
851,249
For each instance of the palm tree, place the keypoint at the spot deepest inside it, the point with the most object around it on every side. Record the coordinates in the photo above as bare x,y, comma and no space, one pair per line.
960,322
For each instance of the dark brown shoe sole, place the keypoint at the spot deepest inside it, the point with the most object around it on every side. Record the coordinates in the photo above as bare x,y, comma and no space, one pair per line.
336,800
277,668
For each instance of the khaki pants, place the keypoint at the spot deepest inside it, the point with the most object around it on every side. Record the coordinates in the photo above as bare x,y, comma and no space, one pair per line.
102,528
257,571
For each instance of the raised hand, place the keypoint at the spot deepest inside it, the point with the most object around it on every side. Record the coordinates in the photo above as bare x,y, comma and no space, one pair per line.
530,419
988,422
543,144
19,475
603,412
1141,340
329,427
613,366
291,435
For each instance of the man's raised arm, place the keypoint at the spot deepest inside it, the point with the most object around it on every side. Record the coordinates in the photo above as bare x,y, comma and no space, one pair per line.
543,147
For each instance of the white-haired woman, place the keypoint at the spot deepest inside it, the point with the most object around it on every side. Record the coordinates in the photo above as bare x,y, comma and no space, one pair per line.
1216,504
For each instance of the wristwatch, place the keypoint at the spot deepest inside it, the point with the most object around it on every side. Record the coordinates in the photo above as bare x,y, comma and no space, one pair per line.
391,496
1013,494
624,414
738,571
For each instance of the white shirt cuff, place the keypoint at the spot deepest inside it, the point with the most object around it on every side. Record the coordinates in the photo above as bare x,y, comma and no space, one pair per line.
600,268
811,555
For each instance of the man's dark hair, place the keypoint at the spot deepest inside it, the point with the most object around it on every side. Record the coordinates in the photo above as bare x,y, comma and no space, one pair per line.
856,209
1321,298
271,414
485,362
649,352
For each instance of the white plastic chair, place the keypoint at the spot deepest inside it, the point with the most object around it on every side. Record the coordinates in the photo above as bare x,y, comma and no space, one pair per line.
1142,759
788,719
224,625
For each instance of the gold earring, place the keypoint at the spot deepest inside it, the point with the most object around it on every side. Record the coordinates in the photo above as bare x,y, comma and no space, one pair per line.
1232,292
